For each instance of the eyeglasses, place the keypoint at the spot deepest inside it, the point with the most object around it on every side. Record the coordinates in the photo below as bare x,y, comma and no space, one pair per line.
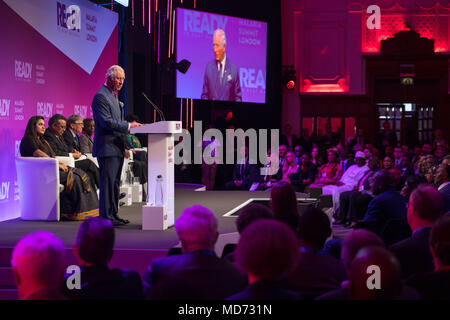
78,123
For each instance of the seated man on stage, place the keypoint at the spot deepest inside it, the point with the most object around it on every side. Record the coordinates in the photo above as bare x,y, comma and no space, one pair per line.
54,136
244,173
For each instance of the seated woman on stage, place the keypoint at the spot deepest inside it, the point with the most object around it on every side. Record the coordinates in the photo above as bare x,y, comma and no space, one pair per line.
329,173
78,202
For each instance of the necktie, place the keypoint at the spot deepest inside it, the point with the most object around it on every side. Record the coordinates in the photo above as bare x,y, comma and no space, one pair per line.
220,70
77,142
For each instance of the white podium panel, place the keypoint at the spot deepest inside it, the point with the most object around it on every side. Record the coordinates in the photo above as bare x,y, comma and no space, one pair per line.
161,159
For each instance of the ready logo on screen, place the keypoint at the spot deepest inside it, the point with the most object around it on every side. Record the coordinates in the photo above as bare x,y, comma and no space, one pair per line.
69,18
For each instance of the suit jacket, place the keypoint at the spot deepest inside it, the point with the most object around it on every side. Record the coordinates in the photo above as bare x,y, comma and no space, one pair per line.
432,285
110,129
70,141
315,274
86,143
102,283
58,145
414,253
226,88
386,206
197,275
265,290
249,175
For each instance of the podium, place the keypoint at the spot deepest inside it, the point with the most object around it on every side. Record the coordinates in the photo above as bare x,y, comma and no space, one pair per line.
161,160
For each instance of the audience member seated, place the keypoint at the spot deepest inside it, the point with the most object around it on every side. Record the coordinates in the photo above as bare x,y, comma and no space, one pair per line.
315,272
351,244
425,207
86,141
271,175
435,285
348,181
38,266
410,185
198,273
353,204
406,169
290,171
398,154
248,215
387,205
307,171
427,166
54,136
283,202
77,201
388,285
244,173
282,151
94,249
266,252
298,153
329,173
442,181
439,139
388,164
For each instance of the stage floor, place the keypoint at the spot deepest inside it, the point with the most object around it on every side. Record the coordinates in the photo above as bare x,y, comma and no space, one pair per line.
131,236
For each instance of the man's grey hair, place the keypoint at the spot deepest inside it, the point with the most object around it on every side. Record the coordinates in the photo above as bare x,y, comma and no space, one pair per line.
112,71
73,118
221,33
39,258
197,224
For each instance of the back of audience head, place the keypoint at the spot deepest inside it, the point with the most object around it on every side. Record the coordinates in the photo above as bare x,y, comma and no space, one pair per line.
373,163
355,241
313,228
251,213
95,242
283,202
426,205
197,229
382,181
267,250
38,263
384,270
440,242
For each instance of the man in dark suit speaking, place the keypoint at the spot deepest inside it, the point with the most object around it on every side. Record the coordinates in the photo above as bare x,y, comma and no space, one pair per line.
109,142
221,80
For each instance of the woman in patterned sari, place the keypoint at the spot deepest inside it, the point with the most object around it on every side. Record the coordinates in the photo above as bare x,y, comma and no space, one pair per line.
77,201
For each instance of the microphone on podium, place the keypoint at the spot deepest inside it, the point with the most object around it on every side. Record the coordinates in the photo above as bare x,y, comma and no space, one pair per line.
161,114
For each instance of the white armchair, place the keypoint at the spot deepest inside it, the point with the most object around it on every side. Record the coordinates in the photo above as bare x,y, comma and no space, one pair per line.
39,187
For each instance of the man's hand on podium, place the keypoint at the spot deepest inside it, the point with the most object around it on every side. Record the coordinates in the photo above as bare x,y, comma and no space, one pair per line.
135,124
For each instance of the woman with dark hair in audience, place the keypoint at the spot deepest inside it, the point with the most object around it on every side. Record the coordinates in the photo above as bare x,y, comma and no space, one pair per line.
283,202
412,182
427,167
331,172
78,201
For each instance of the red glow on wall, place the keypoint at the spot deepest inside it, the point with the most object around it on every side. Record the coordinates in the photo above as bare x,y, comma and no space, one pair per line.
431,26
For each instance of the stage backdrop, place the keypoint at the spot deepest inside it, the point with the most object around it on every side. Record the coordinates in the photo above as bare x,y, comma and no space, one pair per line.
246,46
54,58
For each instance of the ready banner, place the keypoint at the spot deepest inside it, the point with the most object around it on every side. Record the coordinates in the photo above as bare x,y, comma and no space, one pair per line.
54,57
